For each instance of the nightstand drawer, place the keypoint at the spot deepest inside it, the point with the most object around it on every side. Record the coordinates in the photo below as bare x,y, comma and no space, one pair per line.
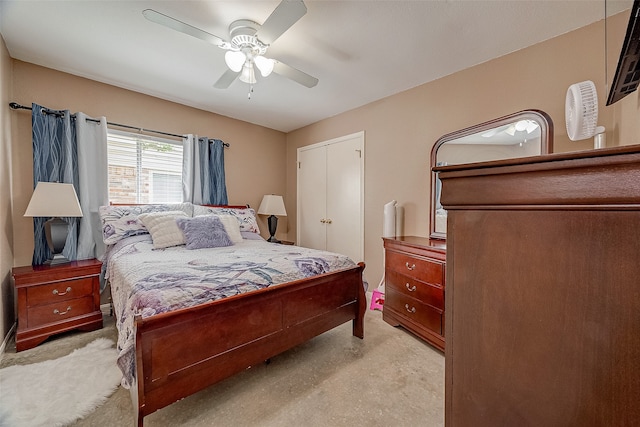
413,310
59,311
421,269
427,293
59,291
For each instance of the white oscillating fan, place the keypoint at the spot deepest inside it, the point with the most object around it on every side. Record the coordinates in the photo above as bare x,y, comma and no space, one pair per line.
581,113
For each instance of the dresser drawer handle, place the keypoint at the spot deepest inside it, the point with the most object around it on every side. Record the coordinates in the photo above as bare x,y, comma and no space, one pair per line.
410,310
56,311
66,291
410,267
410,288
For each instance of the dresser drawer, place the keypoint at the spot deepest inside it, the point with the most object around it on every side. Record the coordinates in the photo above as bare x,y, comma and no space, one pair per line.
413,310
418,268
59,291
59,311
432,295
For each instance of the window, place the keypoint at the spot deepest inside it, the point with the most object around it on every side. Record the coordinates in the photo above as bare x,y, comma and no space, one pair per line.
143,169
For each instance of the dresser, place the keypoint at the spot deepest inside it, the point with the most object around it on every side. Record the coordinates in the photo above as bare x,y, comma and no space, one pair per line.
414,286
54,299
543,290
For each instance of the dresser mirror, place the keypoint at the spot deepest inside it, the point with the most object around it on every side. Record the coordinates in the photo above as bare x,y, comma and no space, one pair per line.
523,134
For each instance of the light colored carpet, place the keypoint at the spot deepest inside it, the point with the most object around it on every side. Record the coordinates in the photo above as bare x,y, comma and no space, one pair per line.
59,391
391,378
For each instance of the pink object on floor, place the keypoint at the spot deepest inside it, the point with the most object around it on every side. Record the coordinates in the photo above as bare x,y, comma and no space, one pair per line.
377,300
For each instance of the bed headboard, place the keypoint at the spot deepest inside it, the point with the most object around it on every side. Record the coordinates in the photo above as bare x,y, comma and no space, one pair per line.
211,206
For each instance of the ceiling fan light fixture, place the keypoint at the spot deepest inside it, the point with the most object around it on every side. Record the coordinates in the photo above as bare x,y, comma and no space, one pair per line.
235,59
265,65
248,75
532,126
521,125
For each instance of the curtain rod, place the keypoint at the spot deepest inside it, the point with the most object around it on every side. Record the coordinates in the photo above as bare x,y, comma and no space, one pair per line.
16,106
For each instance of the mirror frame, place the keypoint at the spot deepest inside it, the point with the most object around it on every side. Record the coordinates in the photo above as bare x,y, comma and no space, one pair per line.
546,147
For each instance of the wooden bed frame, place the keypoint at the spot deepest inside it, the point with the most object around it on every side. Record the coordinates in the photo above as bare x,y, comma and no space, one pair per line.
184,351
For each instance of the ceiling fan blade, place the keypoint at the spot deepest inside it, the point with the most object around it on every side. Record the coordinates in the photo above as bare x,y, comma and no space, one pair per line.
294,74
287,13
174,24
226,79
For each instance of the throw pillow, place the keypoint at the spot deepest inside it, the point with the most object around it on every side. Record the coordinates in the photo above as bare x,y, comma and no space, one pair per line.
163,228
246,217
232,227
204,232
119,222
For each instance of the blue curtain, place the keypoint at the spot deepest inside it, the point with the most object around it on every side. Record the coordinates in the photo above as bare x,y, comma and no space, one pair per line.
55,159
203,171
217,184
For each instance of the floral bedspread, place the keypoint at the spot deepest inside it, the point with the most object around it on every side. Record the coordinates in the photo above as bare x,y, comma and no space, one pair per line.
149,281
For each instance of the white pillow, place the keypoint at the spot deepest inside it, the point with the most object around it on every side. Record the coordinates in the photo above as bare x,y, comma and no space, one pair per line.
163,228
231,226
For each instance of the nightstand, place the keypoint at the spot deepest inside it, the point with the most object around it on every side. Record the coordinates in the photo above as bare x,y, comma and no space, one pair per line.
54,299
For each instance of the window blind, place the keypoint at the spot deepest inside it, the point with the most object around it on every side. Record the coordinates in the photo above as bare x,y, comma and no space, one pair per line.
143,169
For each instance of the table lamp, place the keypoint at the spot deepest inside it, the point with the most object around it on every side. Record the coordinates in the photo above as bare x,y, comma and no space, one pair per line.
54,199
272,205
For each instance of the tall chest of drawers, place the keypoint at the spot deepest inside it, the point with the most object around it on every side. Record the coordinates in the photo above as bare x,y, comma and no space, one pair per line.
56,298
414,286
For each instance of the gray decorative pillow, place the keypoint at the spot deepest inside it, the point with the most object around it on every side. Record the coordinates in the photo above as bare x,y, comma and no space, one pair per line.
204,232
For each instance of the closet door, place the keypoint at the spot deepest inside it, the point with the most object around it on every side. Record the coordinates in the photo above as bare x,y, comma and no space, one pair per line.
344,190
312,198
330,196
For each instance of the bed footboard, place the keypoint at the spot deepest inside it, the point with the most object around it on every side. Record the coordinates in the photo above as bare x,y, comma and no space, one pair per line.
182,352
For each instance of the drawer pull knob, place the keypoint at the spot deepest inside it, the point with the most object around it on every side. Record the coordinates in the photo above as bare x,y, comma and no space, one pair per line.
66,291
410,310
56,311
410,288
410,267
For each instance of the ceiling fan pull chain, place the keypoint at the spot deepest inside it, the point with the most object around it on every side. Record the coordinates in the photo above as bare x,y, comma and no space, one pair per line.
250,92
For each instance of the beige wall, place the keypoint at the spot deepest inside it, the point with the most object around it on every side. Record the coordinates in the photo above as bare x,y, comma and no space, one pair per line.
401,130
6,224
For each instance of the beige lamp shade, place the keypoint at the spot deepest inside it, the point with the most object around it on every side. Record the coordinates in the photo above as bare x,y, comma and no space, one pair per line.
272,205
54,199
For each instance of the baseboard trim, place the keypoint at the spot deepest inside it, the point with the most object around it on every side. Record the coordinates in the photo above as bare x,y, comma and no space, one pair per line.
3,346
105,309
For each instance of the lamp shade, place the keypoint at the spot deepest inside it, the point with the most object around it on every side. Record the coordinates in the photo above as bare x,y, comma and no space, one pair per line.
54,199
272,205
235,60
265,65
248,75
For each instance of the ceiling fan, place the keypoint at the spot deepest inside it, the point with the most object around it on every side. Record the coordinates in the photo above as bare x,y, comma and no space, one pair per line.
248,43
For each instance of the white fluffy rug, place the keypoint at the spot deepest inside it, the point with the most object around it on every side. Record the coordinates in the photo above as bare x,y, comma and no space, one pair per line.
60,391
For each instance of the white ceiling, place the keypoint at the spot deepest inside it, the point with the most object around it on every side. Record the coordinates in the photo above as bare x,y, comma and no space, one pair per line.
361,51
